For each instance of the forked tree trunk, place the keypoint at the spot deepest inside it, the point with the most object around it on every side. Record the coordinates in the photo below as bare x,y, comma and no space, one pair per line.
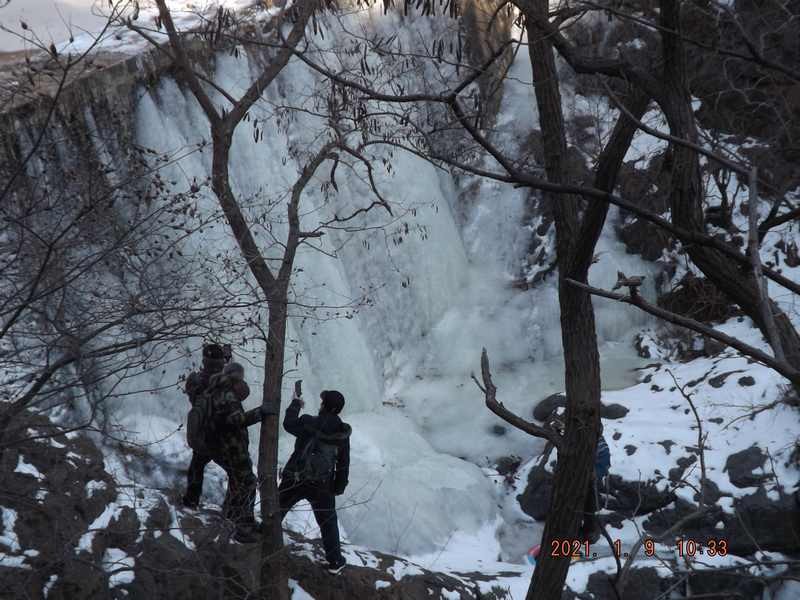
274,582
582,362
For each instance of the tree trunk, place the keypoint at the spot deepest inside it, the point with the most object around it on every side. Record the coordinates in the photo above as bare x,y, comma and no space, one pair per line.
582,362
274,579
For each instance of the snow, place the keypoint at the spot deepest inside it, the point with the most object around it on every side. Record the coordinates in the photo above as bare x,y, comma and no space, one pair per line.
48,586
298,593
402,569
186,14
100,523
27,469
10,540
119,565
93,486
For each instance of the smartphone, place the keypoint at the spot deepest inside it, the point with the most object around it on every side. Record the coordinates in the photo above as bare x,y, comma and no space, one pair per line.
297,388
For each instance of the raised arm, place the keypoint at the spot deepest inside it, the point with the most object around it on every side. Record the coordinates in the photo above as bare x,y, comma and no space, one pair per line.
292,422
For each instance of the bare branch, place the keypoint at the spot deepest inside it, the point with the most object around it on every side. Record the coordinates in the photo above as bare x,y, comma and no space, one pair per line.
490,392
783,368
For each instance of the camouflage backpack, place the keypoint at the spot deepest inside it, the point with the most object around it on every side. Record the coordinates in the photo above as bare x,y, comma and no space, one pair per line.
200,423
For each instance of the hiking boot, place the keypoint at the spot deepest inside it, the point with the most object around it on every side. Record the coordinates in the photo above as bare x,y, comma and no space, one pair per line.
245,535
334,568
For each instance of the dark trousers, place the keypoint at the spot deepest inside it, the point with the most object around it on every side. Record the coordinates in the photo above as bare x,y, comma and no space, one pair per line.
240,495
323,503
590,506
194,478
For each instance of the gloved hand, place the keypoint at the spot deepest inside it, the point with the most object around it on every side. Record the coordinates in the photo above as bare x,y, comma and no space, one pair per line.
299,399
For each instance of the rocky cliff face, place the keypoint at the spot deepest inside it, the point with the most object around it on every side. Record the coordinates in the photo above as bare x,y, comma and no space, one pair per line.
70,530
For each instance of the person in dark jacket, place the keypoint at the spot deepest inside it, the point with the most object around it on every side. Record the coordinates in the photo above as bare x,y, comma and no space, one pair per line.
330,430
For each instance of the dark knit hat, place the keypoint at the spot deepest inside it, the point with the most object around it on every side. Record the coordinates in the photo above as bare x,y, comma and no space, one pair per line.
213,351
213,358
332,401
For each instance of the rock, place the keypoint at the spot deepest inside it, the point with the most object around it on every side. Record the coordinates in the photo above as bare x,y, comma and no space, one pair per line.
630,449
544,409
535,499
675,474
122,531
700,530
498,430
643,584
746,381
719,380
725,585
711,493
613,411
757,523
626,496
507,465
773,524
646,239
697,298
740,467
668,444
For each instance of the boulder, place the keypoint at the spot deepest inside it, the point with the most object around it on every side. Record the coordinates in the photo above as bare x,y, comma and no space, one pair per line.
643,584
740,467
535,499
699,299
508,465
543,410
709,581
760,522
613,411
642,497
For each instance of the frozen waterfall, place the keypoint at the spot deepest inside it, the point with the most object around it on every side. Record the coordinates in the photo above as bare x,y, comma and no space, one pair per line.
422,437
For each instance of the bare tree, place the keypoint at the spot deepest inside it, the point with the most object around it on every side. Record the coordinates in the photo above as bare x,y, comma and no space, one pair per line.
94,288
274,283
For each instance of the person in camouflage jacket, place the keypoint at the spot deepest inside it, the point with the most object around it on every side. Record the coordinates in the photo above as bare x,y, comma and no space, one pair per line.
229,445
214,359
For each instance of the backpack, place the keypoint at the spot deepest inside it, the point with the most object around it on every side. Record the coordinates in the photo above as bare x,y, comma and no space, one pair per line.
200,423
316,462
